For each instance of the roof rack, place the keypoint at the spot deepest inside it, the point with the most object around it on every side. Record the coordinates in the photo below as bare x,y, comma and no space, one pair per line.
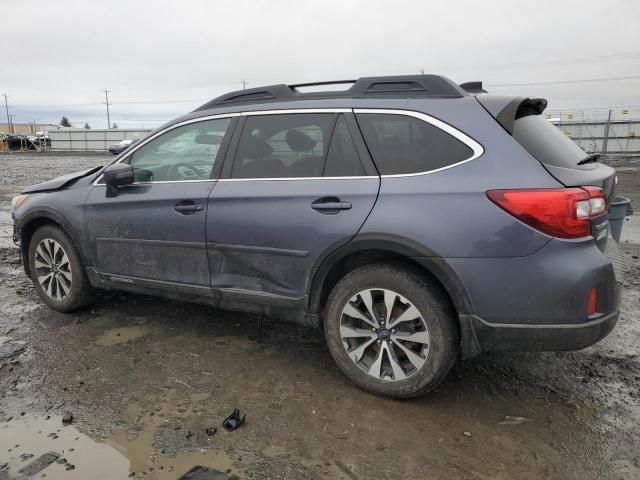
403,86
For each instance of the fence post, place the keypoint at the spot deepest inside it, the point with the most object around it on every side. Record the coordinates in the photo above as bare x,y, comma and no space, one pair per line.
605,141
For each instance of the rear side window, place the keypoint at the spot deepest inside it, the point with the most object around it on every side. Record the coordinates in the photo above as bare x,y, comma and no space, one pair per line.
284,146
342,159
400,144
547,143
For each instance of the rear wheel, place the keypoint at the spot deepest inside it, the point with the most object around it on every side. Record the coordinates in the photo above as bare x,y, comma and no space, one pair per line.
56,270
391,331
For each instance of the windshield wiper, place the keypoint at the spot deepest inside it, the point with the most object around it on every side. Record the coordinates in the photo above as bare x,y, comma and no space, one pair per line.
590,158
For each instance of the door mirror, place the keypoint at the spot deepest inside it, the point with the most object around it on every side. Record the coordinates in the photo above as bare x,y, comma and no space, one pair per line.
117,175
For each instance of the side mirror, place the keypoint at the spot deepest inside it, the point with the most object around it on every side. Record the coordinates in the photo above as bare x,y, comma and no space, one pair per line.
117,175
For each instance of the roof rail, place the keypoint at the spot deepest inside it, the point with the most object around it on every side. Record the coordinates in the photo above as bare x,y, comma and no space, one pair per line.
402,86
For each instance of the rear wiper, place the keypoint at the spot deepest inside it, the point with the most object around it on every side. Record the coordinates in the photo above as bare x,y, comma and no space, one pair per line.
590,158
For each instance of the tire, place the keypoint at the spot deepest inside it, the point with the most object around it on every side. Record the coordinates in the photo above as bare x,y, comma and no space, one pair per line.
435,327
70,289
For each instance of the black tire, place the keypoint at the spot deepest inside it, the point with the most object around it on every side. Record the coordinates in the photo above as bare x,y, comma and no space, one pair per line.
80,292
434,307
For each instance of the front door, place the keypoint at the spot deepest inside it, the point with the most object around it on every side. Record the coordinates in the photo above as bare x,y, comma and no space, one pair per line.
154,229
297,188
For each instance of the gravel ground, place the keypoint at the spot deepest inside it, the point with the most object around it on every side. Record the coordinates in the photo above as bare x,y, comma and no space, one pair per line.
144,377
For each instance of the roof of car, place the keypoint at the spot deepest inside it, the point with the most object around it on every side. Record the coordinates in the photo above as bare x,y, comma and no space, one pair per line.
404,86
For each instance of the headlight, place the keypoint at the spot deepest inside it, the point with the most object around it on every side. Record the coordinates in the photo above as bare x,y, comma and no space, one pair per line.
17,201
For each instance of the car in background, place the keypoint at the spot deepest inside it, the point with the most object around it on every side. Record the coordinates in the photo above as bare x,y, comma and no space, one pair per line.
121,146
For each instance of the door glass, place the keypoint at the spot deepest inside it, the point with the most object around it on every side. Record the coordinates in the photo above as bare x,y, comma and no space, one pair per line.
184,153
284,146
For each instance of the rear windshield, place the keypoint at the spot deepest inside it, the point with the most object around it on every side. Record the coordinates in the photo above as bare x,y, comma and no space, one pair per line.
547,143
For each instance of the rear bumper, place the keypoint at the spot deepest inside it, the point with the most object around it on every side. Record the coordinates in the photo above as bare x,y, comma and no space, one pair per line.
480,335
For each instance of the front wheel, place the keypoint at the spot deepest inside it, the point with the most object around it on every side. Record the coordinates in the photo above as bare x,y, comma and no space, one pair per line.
391,331
56,270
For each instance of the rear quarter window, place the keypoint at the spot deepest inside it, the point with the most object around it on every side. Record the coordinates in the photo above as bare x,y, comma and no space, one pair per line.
400,144
547,143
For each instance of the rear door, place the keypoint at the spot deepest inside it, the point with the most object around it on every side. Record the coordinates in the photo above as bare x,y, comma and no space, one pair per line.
294,187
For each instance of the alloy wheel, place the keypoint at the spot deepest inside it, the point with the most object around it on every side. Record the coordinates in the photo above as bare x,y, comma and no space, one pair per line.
384,334
53,269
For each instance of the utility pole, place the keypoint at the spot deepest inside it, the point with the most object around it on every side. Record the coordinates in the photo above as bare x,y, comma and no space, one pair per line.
605,141
244,84
6,107
106,98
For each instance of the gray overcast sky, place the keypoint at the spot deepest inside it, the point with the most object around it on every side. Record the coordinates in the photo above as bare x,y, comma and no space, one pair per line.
59,55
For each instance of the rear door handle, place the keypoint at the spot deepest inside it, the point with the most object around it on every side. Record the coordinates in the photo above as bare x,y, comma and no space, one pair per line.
330,205
187,207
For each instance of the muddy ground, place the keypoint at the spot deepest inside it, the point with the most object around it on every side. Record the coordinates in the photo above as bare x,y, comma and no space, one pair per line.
144,377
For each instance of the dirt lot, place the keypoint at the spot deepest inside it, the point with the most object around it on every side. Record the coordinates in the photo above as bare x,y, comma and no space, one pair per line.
144,377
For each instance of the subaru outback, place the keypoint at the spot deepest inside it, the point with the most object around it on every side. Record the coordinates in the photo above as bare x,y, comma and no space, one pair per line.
415,220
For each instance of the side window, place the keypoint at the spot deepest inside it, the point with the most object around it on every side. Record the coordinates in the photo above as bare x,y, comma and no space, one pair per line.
283,146
401,144
342,159
184,153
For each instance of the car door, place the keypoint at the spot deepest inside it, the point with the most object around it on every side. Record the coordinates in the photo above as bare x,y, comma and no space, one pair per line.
294,187
153,231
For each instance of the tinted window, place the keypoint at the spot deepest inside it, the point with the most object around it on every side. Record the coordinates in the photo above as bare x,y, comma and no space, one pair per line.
342,159
184,153
402,144
283,146
547,143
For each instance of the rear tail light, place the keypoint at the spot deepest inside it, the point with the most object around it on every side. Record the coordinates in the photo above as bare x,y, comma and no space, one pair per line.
559,212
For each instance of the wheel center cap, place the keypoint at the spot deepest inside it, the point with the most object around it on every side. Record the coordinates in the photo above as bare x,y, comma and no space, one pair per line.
383,334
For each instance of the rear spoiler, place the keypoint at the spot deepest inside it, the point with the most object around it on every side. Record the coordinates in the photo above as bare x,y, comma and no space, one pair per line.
506,110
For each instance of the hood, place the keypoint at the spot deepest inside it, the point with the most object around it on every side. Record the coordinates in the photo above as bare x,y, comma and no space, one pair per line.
60,182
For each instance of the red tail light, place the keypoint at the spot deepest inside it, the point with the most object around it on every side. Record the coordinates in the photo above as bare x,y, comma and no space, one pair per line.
559,212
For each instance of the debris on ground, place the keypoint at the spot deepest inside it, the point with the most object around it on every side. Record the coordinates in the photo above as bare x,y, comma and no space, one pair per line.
233,421
39,464
67,418
210,431
509,420
467,434
205,473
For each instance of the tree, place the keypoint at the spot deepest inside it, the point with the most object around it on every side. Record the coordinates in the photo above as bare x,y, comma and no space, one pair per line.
115,125
64,122
87,126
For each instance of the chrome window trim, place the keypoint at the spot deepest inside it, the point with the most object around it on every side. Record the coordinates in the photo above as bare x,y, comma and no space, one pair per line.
477,149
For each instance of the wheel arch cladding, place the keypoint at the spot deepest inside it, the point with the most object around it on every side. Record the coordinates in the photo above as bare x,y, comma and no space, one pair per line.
41,218
368,249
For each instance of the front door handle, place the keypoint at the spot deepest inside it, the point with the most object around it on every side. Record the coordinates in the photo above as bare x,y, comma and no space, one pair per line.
187,207
330,205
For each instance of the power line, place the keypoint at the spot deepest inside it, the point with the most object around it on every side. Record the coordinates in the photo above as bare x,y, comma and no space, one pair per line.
563,82
535,63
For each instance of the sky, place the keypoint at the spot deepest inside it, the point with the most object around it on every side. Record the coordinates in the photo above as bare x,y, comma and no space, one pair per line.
160,59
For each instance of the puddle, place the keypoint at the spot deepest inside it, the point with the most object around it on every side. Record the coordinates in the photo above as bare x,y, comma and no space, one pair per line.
121,335
148,461
24,439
